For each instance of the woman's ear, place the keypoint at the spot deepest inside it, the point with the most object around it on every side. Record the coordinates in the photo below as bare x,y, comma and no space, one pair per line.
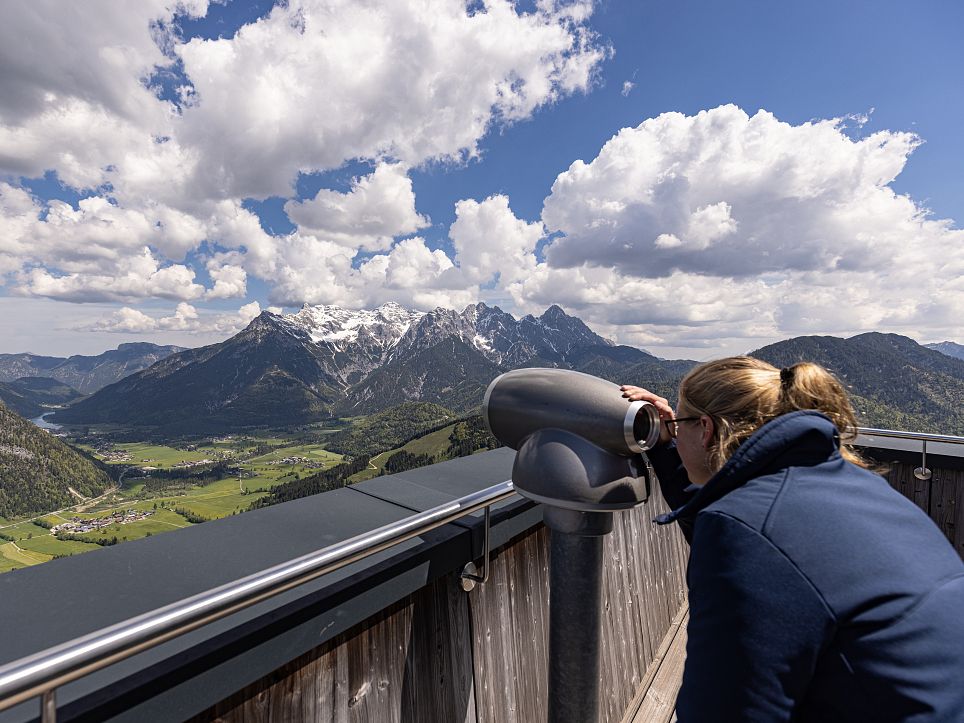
707,430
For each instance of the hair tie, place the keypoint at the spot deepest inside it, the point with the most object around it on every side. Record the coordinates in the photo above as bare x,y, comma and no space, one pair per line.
786,376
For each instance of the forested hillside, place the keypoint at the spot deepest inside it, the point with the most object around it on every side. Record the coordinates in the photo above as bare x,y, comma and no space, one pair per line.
895,383
32,396
36,468
462,438
389,429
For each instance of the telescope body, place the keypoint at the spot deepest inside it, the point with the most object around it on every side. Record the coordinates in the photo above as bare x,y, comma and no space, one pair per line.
579,446
523,401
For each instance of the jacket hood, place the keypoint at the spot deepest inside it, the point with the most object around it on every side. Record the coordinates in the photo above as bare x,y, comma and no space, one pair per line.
802,438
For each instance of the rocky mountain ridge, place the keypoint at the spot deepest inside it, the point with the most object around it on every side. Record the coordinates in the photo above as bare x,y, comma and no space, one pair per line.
324,361
86,374
949,348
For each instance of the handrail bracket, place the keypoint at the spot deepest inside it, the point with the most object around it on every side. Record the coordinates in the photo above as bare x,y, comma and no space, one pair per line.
922,473
470,575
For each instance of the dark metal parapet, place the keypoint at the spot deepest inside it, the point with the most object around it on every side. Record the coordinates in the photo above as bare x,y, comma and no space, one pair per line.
39,674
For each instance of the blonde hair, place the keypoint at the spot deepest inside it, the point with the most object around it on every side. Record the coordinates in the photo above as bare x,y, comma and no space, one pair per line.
741,394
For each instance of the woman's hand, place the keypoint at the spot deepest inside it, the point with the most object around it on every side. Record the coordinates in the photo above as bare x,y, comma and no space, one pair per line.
635,394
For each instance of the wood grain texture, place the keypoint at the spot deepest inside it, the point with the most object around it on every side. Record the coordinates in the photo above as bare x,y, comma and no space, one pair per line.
643,589
658,705
947,503
941,497
901,478
444,655
510,625
411,662
679,621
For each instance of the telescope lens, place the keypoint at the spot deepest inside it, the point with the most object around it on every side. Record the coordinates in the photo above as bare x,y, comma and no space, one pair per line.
646,426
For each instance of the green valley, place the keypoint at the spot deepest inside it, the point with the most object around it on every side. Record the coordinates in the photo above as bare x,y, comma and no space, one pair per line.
164,485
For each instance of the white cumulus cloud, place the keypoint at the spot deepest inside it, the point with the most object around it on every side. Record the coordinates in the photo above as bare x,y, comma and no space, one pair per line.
133,277
489,239
330,80
398,84
379,207
729,228
313,270
184,318
229,281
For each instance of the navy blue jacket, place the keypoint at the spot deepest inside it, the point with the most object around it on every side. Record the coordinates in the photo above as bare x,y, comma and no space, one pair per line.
817,592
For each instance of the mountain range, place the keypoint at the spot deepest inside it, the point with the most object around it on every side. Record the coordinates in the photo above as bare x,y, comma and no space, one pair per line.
325,361
894,382
32,396
949,348
86,374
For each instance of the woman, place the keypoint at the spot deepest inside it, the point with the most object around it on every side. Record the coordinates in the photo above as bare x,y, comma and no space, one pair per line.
817,592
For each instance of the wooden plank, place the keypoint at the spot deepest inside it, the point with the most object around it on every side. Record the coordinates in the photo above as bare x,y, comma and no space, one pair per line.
901,477
510,621
442,655
947,499
679,621
411,662
942,497
642,590
659,703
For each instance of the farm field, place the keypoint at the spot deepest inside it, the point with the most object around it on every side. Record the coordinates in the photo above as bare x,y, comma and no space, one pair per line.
13,558
33,543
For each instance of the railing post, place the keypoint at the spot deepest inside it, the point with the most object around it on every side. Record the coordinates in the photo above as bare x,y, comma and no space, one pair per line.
48,706
922,473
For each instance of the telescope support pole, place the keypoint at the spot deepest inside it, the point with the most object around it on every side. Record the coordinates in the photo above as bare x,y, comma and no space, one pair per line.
575,574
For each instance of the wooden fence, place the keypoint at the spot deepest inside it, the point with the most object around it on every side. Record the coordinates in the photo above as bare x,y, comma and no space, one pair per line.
941,497
481,657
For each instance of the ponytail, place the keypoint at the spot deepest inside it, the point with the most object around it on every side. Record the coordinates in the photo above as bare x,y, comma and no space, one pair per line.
741,394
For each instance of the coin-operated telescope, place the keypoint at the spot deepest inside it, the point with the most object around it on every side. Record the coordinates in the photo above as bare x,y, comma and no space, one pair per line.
579,451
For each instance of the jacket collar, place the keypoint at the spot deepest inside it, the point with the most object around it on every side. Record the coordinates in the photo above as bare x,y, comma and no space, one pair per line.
799,438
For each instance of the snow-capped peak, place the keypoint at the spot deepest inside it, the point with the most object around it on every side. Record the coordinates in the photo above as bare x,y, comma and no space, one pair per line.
338,326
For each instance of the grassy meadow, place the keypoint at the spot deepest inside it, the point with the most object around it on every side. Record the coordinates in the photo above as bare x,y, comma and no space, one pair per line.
431,444
31,543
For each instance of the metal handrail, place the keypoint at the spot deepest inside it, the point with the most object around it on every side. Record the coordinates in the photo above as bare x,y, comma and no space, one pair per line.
915,436
922,473
39,674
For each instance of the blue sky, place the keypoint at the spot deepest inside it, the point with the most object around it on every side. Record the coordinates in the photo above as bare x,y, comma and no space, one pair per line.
833,130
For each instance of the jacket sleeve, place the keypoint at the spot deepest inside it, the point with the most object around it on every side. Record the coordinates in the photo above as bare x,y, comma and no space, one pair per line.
756,627
674,483
673,480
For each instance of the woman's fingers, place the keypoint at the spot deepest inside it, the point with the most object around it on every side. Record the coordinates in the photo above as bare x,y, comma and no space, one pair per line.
635,394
